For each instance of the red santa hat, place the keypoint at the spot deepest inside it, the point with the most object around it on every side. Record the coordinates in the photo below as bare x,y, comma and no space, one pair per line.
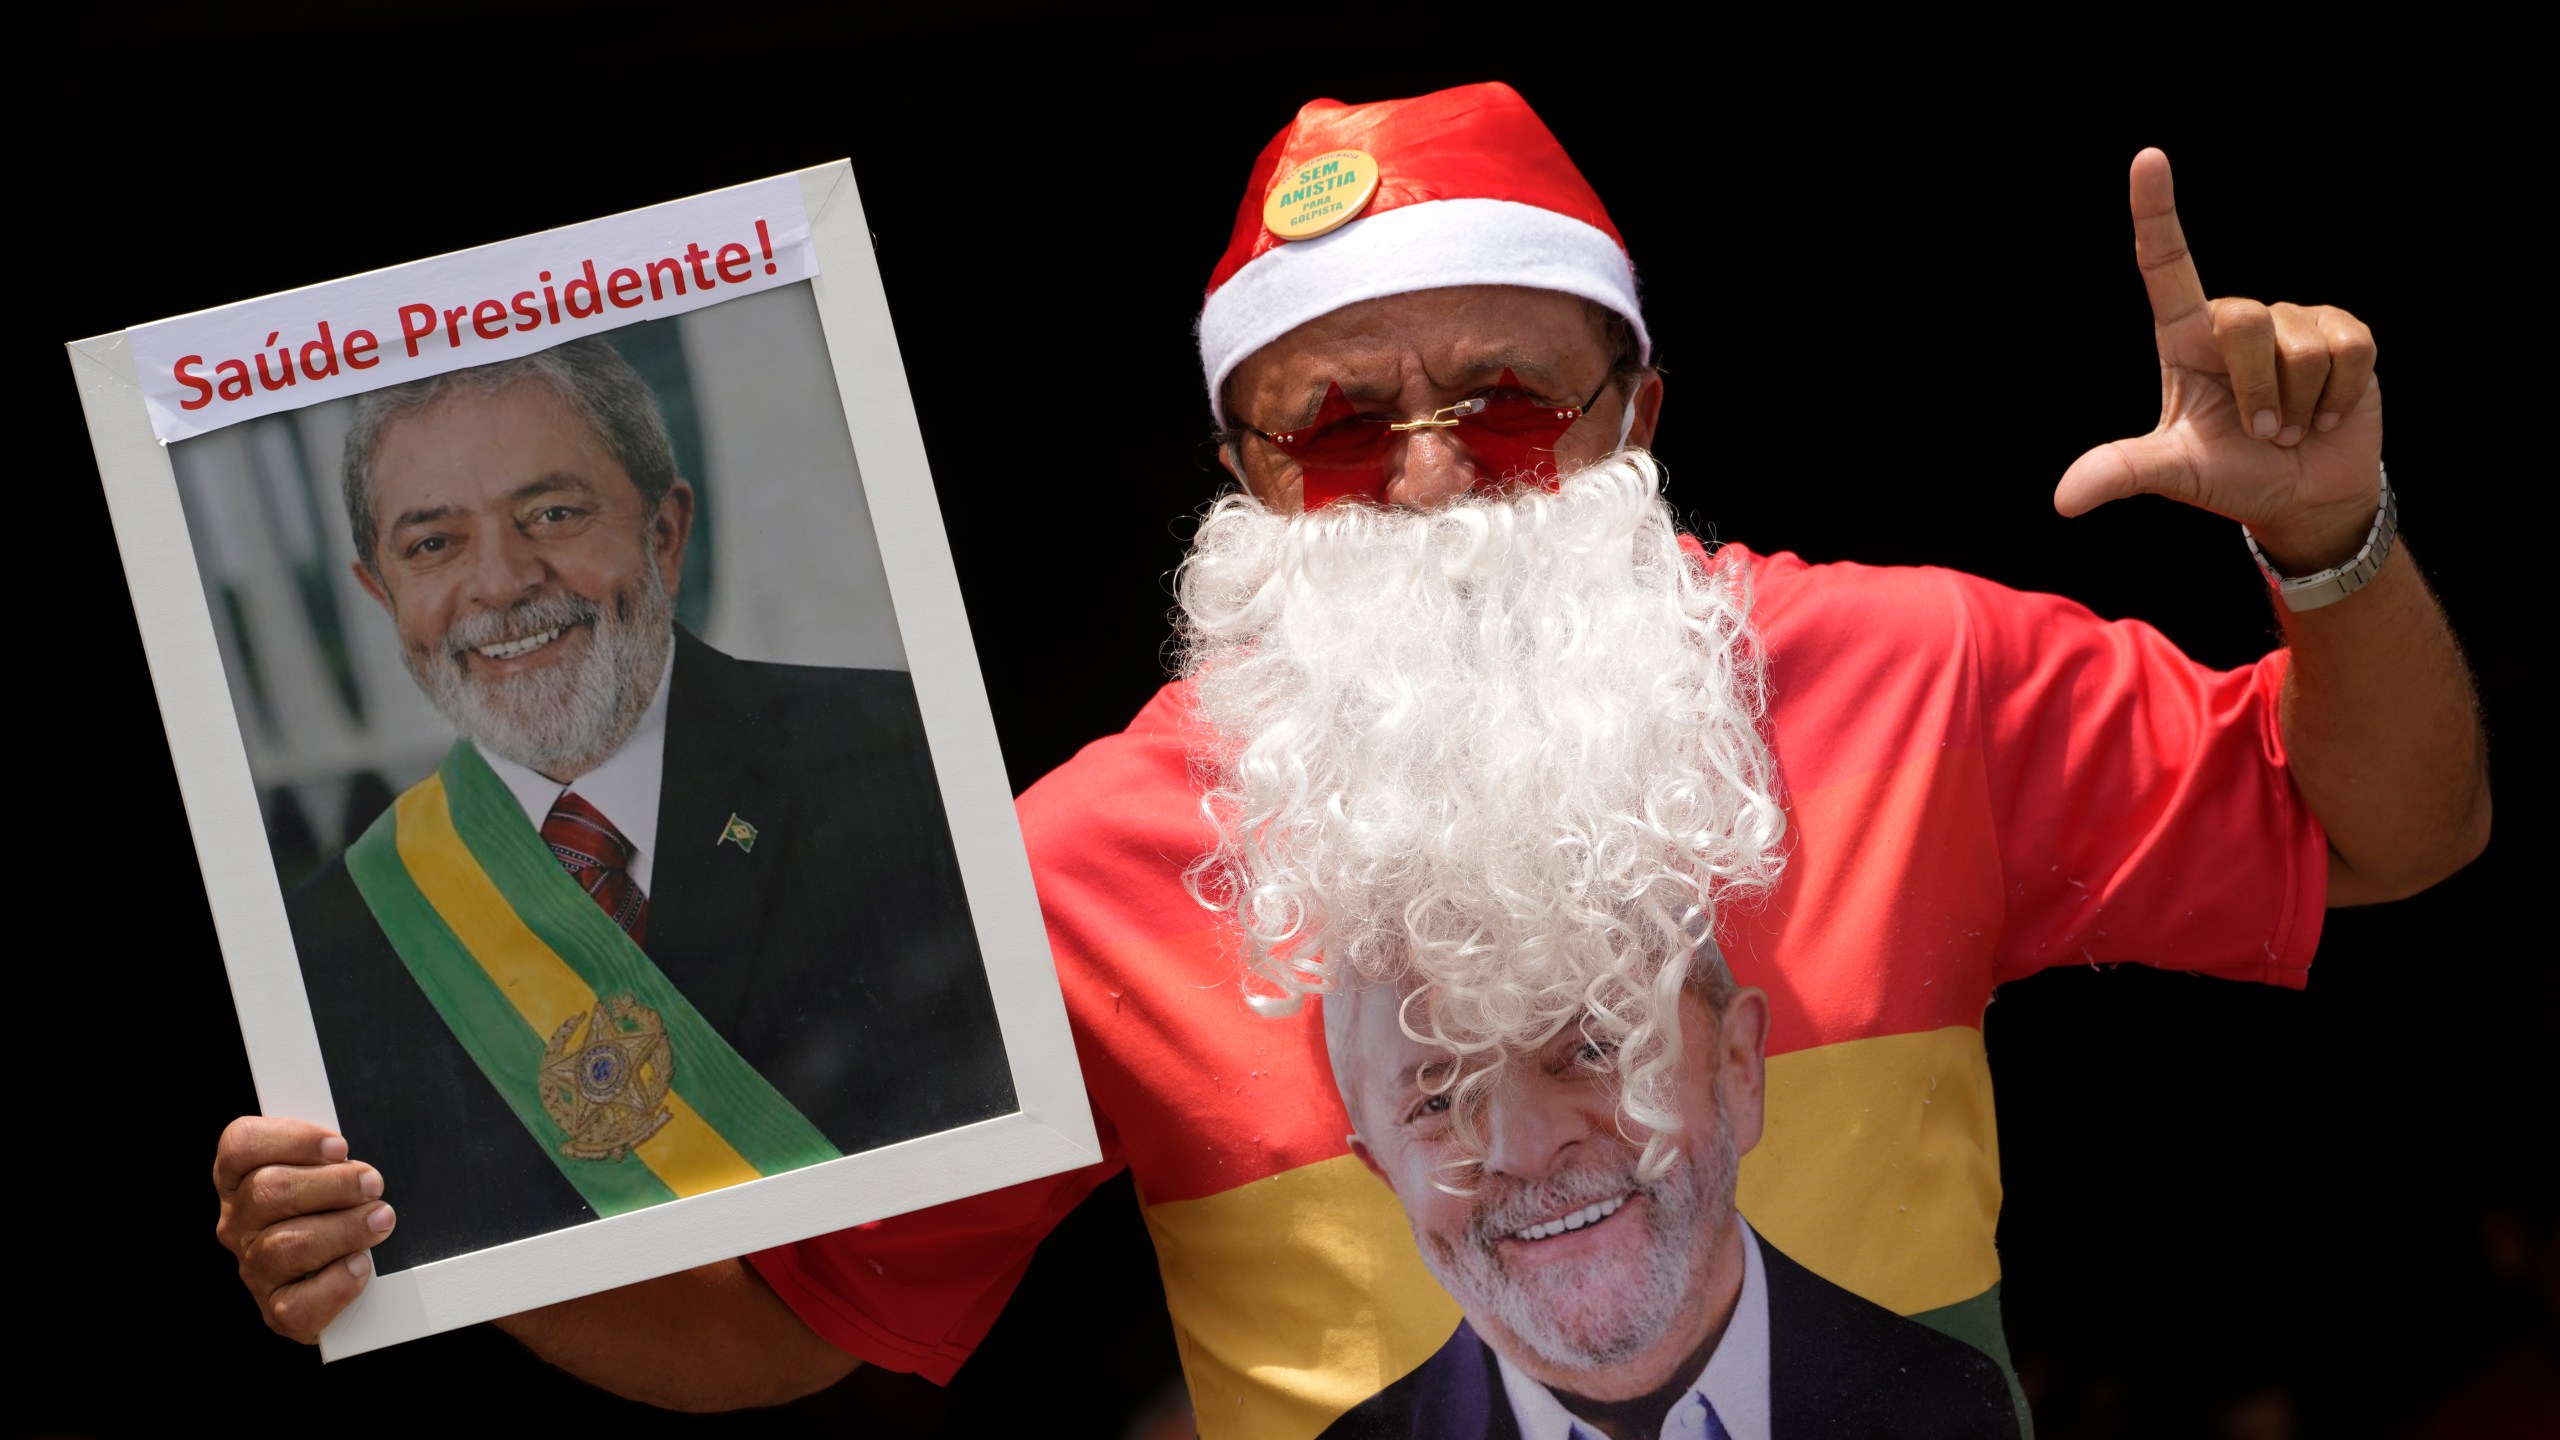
1354,202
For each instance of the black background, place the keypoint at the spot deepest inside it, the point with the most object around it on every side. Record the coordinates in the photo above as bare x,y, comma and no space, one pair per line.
1894,298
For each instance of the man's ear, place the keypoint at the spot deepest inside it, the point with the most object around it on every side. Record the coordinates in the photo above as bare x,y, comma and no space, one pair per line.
1742,1044
373,586
1360,1148
670,528
1647,401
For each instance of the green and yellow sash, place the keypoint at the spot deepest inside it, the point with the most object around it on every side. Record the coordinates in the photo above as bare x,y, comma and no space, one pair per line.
627,1088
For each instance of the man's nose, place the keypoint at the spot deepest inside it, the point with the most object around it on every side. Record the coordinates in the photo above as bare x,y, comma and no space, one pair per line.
1436,469
507,566
1531,1129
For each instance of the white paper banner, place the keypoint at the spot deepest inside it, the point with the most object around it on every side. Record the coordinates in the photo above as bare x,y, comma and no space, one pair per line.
214,368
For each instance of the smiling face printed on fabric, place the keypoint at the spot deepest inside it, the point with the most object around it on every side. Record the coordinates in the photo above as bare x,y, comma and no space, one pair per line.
1569,1256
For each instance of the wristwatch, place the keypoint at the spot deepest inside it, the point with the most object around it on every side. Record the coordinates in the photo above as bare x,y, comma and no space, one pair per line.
2336,583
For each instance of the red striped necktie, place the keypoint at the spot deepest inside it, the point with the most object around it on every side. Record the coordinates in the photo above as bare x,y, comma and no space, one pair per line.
598,857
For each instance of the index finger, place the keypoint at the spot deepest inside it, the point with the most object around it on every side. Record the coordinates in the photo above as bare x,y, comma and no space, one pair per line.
2160,243
253,1141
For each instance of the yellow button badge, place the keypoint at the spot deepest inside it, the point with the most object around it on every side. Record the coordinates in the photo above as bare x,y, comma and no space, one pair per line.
1317,195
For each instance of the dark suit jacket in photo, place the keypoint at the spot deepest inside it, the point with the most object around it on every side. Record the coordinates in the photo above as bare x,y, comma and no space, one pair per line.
1840,1368
837,957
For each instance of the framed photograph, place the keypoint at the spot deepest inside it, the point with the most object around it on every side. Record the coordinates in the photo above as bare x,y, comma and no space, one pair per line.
585,750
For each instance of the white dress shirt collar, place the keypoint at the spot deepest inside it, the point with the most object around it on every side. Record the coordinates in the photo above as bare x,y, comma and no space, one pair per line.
1735,1381
625,788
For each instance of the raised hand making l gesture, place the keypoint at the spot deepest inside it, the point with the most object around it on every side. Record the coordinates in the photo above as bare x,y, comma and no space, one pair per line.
2269,414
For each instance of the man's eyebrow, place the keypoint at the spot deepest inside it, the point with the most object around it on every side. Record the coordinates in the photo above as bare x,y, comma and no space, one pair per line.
1314,403
424,515
552,484
1409,1079
1355,391
1527,365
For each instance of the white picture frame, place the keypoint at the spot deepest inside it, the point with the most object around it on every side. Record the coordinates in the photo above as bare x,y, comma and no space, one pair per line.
131,424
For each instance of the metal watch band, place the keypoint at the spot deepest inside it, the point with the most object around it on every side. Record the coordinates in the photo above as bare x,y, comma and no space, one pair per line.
2338,581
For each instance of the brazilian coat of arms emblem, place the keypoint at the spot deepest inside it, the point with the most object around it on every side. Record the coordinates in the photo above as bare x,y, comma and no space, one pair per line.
605,1075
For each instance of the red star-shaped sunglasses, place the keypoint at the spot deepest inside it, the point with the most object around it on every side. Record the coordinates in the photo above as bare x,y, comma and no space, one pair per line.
1510,434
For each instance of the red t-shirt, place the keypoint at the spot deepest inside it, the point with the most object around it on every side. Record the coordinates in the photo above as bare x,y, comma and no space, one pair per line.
1979,782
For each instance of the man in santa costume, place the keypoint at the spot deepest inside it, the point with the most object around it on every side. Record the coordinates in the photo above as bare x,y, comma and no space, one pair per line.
1478,722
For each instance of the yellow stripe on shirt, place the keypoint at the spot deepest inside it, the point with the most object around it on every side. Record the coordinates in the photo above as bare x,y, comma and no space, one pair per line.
1879,1167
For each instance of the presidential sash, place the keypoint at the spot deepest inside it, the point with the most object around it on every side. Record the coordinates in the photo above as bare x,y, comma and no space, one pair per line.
614,1073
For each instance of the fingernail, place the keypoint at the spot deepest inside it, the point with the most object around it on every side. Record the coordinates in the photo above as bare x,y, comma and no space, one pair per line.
333,1149
371,1184
360,1264
2290,435
381,1220
2264,426
2327,421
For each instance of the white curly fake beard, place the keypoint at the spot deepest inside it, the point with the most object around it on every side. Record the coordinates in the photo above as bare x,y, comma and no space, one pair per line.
1507,747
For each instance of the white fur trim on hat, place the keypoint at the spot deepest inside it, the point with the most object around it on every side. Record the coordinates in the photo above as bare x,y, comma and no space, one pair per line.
1426,246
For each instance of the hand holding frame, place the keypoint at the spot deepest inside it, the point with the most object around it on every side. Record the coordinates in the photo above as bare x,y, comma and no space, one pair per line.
301,1217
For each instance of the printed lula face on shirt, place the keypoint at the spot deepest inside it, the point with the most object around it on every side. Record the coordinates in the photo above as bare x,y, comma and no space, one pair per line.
1979,785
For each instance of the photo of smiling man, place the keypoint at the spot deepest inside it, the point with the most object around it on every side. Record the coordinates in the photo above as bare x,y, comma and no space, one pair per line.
648,919
1609,1297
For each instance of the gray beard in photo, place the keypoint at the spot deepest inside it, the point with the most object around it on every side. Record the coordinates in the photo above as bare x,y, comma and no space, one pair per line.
1589,1318
557,722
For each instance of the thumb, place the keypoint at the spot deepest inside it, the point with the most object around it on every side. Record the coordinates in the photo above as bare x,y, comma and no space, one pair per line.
2143,465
